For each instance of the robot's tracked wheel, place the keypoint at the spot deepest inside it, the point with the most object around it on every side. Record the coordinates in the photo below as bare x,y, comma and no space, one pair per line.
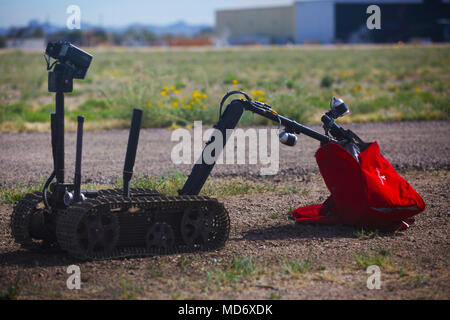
113,226
209,230
28,222
160,238
197,226
98,232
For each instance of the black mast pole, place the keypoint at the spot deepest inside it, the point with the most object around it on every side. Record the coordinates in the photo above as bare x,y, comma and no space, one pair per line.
59,152
130,156
77,178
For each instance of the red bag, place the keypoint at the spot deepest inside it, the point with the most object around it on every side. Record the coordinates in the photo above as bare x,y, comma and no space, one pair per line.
368,193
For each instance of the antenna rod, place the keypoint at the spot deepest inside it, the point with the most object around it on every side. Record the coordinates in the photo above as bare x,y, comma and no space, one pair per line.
77,178
59,152
130,157
54,138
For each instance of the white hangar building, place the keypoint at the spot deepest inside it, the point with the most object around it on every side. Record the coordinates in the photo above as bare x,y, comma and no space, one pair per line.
331,21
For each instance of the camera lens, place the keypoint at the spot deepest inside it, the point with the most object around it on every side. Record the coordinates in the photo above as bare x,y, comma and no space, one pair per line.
288,139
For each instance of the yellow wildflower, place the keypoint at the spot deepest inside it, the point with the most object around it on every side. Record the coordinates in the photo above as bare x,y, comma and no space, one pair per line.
175,104
173,126
258,92
149,104
418,90
235,82
163,93
347,74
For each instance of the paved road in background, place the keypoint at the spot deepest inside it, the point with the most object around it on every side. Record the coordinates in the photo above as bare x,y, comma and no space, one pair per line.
26,157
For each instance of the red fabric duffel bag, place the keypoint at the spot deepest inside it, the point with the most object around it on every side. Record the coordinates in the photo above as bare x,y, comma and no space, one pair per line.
367,192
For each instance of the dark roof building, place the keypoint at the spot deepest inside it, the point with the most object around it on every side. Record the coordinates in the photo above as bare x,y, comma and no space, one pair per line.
331,21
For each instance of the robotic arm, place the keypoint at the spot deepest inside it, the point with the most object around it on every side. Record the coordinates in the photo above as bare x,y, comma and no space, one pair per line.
232,114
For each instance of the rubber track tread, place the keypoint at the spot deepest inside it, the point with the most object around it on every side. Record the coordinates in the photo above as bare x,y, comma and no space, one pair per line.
20,220
66,230
20,217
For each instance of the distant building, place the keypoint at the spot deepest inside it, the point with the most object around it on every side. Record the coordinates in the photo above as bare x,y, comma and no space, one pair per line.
331,21
256,25
27,43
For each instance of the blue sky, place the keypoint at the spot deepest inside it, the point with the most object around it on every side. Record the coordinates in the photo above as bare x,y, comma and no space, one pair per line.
120,12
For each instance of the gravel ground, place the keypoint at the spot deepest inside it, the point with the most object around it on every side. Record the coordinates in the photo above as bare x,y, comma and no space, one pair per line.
416,267
26,157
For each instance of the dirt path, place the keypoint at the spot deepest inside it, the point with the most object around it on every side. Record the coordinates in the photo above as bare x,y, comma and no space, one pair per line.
26,157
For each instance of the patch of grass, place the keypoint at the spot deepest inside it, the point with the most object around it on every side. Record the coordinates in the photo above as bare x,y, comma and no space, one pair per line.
168,184
292,188
273,295
52,293
235,186
175,295
378,256
419,281
274,215
236,270
155,271
12,194
402,273
13,112
240,267
326,82
296,266
229,188
408,275
95,110
129,289
289,212
12,291
267,187
378,84
42,114
365,234
184,261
